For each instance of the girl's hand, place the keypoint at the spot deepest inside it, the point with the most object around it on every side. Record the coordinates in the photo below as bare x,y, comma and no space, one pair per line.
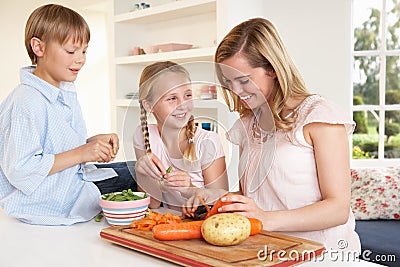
208,195
242,205
97,150
178,178
111,138
150,165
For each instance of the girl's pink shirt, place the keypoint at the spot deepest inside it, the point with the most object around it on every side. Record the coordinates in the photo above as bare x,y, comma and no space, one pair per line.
208,148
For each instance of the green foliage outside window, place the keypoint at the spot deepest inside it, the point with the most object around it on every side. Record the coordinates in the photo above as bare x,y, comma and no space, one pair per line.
359,154
359,117
367,90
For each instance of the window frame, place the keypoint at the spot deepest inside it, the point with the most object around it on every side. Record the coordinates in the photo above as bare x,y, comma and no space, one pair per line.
381,108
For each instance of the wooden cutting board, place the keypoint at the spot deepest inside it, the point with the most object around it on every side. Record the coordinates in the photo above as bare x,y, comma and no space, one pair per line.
197,252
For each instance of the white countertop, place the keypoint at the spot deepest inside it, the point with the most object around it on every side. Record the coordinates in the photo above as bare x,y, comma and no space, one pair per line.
23,245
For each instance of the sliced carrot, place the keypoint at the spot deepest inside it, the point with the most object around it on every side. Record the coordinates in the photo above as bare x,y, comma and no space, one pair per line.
143,224
153,218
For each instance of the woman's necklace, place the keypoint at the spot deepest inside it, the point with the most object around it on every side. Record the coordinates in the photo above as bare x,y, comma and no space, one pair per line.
259,134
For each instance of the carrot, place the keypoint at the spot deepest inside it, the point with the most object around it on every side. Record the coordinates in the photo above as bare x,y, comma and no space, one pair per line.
217,205
256,226
178,231
192,230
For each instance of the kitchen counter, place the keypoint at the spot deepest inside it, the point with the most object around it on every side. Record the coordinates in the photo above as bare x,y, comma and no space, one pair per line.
78,245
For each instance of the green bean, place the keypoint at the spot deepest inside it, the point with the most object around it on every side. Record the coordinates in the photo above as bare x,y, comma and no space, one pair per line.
109,196
169,169
125,195
99,217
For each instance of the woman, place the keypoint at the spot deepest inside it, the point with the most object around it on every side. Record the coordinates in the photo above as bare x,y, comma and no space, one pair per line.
294,165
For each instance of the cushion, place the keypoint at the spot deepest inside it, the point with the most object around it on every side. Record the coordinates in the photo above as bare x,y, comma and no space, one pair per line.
380,241
375,193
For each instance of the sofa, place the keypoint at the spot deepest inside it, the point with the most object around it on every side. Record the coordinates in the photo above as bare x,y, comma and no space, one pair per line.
375,201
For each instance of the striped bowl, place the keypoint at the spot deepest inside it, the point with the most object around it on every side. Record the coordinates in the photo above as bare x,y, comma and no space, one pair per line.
124,212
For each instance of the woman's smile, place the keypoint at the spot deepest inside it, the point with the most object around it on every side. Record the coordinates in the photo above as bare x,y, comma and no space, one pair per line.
245,98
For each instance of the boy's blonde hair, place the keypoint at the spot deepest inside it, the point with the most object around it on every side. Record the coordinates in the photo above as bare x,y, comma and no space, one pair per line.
150,75
55,23
258,40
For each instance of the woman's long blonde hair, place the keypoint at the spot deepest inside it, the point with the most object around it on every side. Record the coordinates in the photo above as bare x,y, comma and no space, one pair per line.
258,40
150,75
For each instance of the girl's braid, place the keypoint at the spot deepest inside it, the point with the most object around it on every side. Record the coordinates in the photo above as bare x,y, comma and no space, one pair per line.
145,129
190,151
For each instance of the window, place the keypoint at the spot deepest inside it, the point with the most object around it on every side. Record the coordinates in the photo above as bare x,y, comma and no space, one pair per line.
376,80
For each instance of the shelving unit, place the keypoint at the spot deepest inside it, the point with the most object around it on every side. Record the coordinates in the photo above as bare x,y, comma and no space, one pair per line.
197,22
163,22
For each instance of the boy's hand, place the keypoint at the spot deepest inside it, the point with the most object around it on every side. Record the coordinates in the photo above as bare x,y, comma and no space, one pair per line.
111,138
96,150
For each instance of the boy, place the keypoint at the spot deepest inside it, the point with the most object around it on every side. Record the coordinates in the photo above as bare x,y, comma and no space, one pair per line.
43,175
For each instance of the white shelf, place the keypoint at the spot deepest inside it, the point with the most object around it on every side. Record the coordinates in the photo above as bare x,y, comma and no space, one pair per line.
127,103
198,54
173,10
198,103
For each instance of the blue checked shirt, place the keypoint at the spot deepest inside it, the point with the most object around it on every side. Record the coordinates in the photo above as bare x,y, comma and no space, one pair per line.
37,121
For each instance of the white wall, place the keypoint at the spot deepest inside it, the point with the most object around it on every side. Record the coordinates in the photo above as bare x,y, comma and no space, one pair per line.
92,82
316,32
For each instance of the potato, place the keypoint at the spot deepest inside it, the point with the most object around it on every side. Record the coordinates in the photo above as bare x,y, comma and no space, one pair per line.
226,229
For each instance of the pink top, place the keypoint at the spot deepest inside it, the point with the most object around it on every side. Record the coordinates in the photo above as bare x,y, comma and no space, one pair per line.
280,173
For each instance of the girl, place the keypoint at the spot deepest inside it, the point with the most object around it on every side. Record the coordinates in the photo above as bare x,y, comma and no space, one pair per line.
294,148
195,155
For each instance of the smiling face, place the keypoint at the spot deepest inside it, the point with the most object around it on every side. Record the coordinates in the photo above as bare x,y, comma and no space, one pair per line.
254,86
59,62
171,102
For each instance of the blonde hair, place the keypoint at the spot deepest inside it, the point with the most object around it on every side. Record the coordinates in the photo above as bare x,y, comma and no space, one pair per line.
258,40
55,23
150,75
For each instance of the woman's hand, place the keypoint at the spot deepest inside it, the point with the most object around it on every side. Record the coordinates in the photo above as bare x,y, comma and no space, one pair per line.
242,205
